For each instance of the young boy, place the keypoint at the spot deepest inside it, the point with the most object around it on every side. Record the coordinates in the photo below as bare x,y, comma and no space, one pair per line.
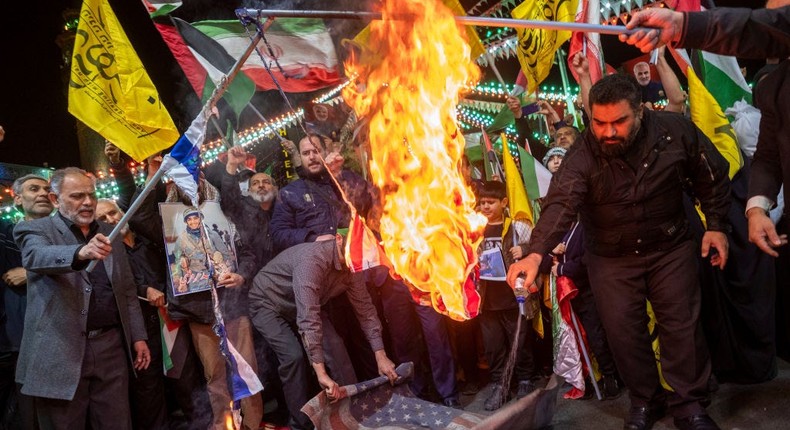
499,314
553,159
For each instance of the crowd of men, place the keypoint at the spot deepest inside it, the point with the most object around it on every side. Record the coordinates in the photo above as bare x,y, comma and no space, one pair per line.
83,348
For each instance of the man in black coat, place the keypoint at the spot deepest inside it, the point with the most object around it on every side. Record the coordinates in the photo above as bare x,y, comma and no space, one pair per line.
625,178
746,33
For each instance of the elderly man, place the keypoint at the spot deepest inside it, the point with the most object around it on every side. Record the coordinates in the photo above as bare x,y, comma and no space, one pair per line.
626,179
250,213
31,196
81,329
289,295
147,263
651,91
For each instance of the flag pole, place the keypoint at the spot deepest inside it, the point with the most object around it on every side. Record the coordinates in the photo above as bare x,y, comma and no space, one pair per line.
160,173
264,120
565,83
585,354
480,21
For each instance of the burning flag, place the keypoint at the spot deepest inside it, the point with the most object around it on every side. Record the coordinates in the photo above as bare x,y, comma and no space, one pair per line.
413,74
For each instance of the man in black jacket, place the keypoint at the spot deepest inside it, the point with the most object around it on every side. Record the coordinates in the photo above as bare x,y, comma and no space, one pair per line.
625,178
746,33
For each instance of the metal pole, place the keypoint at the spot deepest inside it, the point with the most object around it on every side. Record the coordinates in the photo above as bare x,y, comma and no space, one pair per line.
116,231
221,88
565,84
491,63
585,355
249,14
221,134
264,120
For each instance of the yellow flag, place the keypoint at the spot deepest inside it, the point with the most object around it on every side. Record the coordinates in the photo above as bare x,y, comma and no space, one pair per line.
472,38
536,47
707,115
516,193
110,91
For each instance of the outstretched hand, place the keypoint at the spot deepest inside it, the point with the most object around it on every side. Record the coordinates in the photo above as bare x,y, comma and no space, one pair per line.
762,232
657,26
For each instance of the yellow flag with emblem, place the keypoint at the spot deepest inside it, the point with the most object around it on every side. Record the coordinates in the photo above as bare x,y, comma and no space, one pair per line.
708,116
536,47
109,89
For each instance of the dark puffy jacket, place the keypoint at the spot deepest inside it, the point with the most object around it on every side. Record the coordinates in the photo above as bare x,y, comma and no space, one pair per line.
627,210
308,208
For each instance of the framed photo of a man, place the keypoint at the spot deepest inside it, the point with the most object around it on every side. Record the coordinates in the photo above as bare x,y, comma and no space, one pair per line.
200,246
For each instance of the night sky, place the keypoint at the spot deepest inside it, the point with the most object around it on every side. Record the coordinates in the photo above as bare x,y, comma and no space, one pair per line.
33,111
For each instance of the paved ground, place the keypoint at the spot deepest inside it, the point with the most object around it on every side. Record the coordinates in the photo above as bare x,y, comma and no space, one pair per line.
734,407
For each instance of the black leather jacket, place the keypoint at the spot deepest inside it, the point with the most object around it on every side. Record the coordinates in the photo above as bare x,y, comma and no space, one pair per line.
630,210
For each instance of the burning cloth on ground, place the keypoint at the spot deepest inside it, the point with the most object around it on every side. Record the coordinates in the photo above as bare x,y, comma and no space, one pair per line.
375,403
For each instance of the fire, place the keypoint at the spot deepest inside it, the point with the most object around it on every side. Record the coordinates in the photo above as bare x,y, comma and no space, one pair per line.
413,74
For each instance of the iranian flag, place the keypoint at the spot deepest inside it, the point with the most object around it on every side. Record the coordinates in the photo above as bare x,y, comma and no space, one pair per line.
300,53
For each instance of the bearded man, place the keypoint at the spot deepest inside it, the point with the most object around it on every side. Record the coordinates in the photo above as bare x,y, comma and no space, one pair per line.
625,178
250,213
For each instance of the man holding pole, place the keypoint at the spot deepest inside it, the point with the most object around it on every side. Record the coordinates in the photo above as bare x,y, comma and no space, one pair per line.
761,33
625,179
82,329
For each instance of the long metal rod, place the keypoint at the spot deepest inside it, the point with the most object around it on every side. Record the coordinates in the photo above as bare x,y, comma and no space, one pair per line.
215,96
480,21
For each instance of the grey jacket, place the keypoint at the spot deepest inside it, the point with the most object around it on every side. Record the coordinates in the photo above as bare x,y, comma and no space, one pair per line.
53,345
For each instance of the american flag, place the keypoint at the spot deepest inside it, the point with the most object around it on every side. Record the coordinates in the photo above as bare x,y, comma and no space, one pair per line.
376,404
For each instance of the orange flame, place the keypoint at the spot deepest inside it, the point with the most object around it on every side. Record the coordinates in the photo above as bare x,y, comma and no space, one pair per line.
414,72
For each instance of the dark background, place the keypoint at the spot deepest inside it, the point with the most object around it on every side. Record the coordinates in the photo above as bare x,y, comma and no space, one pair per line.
33,105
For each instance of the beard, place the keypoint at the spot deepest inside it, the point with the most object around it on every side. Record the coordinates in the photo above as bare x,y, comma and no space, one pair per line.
619,146
263,198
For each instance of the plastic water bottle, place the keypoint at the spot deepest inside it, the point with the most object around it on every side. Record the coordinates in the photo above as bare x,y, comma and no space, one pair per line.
521,293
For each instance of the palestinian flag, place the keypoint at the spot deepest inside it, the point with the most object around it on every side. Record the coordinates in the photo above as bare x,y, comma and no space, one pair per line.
724,74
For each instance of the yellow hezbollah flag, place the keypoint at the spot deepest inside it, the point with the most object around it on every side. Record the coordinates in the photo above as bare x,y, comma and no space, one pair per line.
472,38
707,115
536,47
110,91
516,193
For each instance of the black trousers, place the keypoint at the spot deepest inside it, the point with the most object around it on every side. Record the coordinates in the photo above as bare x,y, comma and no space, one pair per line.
584,306
294,371
101,399
499,332
670,281
147,394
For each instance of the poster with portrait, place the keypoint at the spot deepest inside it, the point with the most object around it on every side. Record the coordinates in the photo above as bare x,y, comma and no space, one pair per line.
492,265
200,246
